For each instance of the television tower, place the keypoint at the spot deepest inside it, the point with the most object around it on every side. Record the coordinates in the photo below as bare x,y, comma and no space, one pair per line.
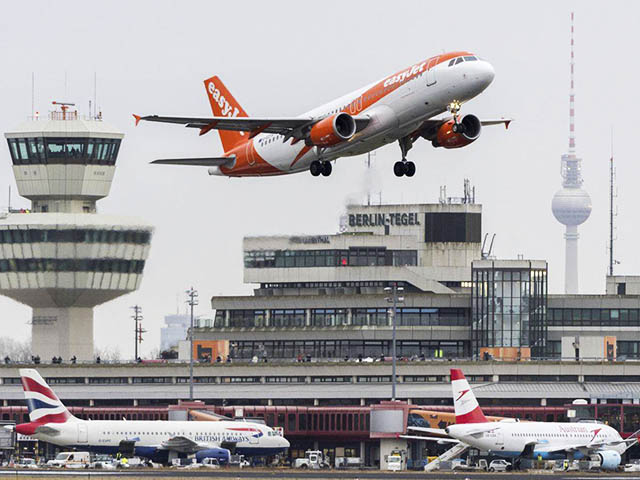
572,204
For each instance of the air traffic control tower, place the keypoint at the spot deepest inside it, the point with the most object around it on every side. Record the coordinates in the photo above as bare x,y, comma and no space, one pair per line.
61,257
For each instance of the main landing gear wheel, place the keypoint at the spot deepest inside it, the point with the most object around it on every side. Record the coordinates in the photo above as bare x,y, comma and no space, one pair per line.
404,168
320,168
454,107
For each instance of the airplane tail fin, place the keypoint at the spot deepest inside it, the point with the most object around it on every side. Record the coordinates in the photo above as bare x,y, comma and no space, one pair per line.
464,401
43,404
224,105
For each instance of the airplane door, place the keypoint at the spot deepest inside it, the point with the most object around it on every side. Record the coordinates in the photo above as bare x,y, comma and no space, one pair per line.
83,433
431,76
499,438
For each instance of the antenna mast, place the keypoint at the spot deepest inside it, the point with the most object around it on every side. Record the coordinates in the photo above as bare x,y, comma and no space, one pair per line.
572,95
612,262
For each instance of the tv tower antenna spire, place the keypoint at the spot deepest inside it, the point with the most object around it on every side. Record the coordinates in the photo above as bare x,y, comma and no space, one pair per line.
572,95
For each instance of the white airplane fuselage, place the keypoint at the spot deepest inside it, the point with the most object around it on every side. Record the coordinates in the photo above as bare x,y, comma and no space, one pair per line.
509,439
104,436
429,90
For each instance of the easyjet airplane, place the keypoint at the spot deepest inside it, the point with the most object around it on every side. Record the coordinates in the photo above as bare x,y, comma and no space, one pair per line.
398,108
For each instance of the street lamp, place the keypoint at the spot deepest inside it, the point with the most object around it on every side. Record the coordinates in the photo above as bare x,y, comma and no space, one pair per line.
394,299
192,301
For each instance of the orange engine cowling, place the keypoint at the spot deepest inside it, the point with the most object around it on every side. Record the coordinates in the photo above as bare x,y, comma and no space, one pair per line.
447,138
332,130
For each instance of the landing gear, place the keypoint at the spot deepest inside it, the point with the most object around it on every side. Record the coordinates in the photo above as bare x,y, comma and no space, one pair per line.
404,168
320,168
454,107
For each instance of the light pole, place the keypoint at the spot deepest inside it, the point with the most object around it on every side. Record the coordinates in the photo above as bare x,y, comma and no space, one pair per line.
394,299
192,301
137,317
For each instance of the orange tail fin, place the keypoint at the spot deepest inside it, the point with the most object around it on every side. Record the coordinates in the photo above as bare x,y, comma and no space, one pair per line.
224,105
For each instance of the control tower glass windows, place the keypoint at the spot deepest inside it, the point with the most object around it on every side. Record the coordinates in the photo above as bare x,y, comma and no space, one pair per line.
109,265
139,237
57,150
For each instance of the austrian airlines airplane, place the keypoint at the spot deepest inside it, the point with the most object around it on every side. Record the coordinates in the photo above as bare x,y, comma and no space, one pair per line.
398,108
160,441
548,440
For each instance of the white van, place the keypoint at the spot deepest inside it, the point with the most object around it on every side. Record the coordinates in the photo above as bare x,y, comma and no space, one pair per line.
71,460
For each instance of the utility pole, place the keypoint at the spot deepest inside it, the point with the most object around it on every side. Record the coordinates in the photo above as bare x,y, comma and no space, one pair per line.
137,317
192,301
394,299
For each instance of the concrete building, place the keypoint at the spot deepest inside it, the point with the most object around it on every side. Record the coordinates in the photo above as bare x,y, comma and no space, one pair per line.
61,257
175,330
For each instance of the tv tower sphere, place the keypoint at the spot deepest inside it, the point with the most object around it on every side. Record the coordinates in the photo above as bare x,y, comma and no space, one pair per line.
571,206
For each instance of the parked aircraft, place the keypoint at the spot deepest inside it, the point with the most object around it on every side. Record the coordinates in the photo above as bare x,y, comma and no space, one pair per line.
397,108
537,440
158,440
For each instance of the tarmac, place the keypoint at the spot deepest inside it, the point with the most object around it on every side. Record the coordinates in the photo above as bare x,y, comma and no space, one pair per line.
227,474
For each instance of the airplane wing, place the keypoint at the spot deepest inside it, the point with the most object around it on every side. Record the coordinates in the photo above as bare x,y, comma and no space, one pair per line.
429,128
583,447
434,439
199,162
432,431
294,127
182,444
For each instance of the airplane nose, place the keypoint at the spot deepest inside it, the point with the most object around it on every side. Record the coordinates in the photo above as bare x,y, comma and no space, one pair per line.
285,443
489,73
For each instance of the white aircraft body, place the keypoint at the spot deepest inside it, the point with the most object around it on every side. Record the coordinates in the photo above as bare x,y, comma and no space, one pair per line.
400,107
158,440
546,440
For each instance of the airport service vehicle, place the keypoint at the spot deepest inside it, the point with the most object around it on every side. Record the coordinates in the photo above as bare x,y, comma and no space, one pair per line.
401,107
28,463
460,464
499,466
159,441
632,467
546,440
313,460
394,462
70,460
348,462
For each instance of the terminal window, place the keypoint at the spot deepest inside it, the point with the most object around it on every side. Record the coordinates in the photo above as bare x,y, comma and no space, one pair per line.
453,227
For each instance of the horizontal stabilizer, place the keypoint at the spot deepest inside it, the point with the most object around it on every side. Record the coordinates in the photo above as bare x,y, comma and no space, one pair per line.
198,162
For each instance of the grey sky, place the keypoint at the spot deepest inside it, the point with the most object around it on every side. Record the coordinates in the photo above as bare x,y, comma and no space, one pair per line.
282,58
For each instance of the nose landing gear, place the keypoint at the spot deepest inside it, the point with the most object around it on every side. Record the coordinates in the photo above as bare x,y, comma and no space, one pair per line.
320,168
404,167
454,107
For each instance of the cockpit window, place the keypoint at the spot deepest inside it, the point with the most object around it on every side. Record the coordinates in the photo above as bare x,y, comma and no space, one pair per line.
459,60
470,59
452,61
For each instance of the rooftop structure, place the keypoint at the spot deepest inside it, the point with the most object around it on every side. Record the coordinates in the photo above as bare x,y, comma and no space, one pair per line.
572,204
60,257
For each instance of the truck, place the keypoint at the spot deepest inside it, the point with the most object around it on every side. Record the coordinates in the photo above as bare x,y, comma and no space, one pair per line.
313,460
348,462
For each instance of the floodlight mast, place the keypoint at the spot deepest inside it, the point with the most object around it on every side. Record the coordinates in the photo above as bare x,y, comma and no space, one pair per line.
394,299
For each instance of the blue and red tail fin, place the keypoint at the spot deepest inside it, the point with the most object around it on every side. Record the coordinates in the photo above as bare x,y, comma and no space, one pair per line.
43,404
464,401
224,105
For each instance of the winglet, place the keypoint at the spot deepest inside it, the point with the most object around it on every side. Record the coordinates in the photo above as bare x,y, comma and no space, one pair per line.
137,117
506,124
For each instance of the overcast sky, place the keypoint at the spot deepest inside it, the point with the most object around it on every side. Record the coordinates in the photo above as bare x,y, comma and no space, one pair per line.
283,58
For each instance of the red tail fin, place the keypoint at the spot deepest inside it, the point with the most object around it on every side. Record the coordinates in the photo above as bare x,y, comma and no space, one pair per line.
464,401
224,105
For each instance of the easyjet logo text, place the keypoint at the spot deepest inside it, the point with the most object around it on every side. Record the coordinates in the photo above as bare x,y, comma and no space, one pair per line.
401,77
222,102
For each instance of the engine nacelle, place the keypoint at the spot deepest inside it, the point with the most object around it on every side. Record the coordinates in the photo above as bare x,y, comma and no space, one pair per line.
221,454
609,459
332,130
447,138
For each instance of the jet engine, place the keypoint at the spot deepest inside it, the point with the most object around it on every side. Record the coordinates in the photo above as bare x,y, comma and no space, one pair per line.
221,454
332,130
609,459
452,135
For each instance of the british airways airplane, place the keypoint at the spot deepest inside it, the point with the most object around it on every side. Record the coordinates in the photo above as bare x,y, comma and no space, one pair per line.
157,440
398,108
513,439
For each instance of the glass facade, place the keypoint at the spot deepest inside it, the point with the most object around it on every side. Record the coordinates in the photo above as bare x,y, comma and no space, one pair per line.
353,257
49,151
335,317
509,306
339,349
108,265
35,235
594,317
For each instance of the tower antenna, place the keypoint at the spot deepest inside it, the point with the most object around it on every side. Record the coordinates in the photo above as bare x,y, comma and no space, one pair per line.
612,214
33,89
572,95
95,93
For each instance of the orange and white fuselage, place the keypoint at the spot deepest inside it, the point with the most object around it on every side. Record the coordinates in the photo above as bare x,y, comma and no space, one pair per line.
399,106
